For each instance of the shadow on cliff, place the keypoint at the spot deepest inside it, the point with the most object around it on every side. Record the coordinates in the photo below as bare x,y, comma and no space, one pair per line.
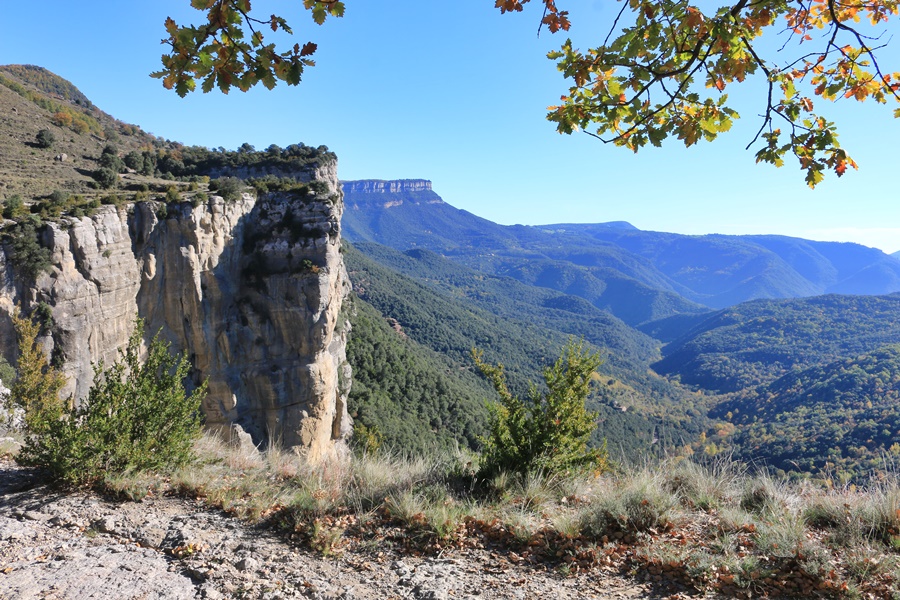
239,288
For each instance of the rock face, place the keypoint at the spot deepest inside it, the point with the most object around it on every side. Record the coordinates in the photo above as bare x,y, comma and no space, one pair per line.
251,291
392,187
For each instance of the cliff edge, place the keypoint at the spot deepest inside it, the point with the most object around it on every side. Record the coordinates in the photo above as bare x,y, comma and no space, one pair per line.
250,290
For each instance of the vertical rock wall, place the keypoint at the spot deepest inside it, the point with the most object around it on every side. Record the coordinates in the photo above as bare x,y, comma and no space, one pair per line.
251,291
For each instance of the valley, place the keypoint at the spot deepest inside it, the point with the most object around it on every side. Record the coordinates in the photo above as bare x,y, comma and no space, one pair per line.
681,359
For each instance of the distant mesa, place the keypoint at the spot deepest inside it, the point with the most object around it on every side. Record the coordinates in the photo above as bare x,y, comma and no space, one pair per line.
386,186
387,193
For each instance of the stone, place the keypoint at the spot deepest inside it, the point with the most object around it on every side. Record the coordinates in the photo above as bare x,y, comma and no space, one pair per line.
32,515
242,440
248,563
101,576
105,525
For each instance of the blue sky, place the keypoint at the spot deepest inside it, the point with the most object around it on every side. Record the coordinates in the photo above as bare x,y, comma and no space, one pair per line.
456,93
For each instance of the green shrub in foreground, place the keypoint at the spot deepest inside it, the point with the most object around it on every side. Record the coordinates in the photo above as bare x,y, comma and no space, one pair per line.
549,432
137,416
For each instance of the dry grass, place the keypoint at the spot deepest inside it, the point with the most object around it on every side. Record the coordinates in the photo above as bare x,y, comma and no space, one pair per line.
34,173
711,527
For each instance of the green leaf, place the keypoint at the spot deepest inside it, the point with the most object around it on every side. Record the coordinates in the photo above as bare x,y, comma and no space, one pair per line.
183,86
814,176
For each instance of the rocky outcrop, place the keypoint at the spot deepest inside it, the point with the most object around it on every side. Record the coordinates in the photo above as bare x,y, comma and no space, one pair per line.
79,545
251,291
325,170
370,186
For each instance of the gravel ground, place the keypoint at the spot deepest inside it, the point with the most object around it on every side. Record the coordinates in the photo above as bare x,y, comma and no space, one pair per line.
80,545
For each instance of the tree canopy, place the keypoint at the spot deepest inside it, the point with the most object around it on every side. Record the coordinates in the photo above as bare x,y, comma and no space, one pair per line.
661,70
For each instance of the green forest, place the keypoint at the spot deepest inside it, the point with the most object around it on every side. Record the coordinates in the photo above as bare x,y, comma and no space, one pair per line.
839,420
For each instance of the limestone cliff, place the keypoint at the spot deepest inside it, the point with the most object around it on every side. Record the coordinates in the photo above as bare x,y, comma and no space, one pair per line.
250,290
370,186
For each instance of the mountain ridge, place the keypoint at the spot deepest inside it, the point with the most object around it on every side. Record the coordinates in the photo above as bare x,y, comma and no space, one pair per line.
714,270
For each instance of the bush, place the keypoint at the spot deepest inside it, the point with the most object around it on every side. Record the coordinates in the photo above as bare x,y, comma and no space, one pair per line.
136,417
62,119
13,207
106,177
7,373
45,139
172,194
79,125
229,188
37,386
113,199
25,251
550,431
112,162
134,160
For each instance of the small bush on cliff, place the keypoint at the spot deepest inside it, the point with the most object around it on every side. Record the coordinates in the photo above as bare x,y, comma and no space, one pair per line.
229,188
14,207
25,251
137,417
549,432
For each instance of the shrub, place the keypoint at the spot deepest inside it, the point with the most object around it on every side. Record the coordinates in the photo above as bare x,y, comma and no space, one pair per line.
550,431
13,207
62,119
45,139
79,125
113,199
229,188
172,194
112,162
149,166
59,197
106,177
25,251
37,386
199,198
137,417
7,372
134,160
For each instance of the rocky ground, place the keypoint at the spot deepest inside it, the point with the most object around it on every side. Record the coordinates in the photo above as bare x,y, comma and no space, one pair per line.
79,545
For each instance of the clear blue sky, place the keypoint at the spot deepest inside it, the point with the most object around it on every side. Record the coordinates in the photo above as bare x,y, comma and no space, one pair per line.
456,93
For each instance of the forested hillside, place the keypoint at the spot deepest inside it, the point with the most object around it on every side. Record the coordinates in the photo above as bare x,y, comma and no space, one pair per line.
639,411
414,398
756,342
841,419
